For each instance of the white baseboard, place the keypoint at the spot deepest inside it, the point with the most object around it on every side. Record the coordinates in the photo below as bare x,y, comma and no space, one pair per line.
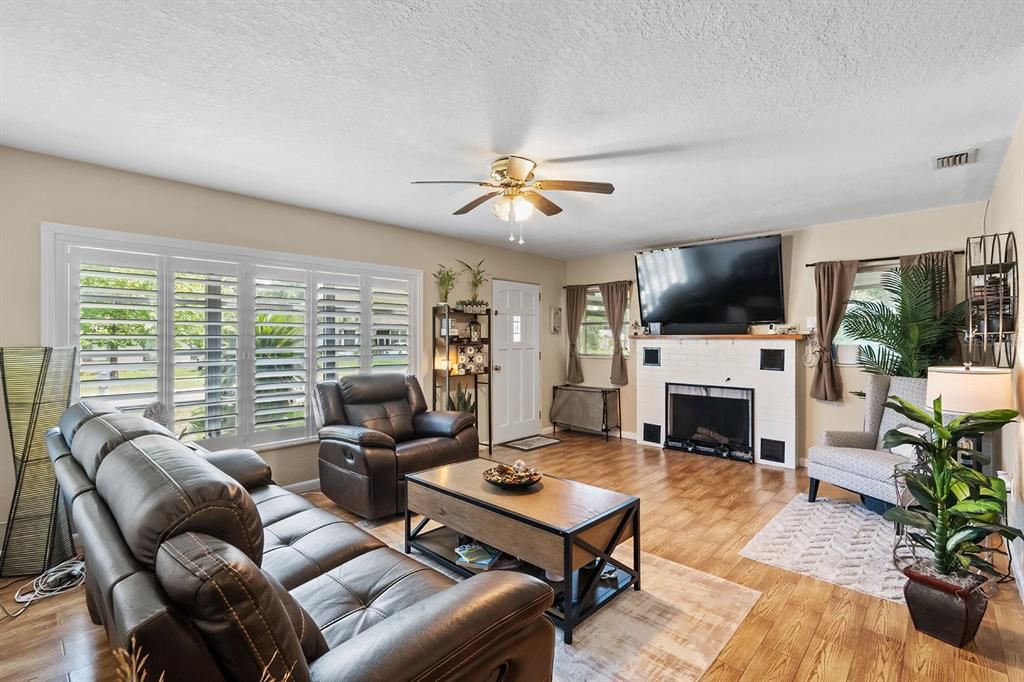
626,435
309,486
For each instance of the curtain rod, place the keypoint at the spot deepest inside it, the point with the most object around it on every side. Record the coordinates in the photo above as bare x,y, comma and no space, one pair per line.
880,259
597,284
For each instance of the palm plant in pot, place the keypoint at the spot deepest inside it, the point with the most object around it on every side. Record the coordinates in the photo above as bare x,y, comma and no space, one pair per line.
955,509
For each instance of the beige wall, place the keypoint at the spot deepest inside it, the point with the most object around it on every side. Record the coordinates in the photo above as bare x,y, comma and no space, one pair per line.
905,233
36,189
1006,214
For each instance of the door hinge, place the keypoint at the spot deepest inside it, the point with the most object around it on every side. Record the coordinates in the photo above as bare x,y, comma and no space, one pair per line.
540,354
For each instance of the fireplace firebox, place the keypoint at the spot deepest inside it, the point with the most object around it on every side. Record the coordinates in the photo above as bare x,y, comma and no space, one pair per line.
710,420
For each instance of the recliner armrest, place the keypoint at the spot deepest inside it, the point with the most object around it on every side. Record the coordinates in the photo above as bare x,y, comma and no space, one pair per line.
241,464
849,439
359,435
440,634
442,423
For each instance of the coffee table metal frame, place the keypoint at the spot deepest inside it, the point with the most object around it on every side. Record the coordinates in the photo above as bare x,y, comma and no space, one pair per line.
581,608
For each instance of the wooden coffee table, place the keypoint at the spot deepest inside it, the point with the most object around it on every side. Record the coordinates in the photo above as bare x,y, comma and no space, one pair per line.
557,525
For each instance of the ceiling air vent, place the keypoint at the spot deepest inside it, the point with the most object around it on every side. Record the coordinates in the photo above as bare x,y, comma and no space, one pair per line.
958,159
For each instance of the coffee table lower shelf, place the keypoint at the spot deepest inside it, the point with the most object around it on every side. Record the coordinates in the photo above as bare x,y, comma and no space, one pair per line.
439,544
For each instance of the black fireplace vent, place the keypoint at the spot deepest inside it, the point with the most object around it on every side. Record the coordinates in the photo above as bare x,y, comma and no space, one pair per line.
652,433
652,357
773,450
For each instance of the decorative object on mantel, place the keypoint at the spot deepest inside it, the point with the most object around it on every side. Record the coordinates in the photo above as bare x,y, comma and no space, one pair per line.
993,290
444,277
36,391
833,282
956,508
913,333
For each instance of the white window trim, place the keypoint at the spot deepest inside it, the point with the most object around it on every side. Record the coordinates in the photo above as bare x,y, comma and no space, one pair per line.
57,239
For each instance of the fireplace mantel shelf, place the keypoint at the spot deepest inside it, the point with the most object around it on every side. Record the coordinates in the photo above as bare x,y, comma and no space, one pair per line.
740,337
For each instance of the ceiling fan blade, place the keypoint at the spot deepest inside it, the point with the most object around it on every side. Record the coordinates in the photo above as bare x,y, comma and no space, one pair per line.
476,202
454,182
519,168
576,186
542,203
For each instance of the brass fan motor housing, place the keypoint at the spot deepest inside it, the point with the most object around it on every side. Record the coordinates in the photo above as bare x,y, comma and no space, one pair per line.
500,167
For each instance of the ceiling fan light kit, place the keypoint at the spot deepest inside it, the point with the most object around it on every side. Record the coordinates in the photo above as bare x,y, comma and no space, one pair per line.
512,181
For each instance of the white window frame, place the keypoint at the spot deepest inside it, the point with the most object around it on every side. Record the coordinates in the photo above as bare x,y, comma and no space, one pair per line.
583,325
59,305
846,353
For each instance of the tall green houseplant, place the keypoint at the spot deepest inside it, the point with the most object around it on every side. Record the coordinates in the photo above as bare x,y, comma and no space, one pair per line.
910,335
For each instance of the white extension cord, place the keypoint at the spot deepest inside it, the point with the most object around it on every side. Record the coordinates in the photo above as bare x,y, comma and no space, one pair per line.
61,578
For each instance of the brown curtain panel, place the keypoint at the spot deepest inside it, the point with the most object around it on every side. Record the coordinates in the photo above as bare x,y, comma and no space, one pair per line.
575,304
834,282
945,262
616,299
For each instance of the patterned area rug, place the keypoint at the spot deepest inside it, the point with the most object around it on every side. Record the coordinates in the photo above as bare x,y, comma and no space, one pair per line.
531,443
673,629
838,542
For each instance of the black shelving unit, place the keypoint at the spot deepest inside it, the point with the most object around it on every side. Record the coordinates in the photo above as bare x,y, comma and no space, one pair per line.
993,290
457,360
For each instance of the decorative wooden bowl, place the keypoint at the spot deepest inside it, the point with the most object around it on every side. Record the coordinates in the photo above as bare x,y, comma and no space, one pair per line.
510,478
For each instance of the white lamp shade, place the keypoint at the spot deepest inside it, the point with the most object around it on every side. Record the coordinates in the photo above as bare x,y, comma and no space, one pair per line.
965,390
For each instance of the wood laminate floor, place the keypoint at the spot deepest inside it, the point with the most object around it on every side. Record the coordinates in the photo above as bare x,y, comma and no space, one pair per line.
697,511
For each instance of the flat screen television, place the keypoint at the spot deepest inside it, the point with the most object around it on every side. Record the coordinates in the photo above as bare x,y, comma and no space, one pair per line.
715,287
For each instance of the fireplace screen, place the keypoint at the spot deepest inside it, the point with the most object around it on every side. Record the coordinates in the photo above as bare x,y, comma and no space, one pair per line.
710,416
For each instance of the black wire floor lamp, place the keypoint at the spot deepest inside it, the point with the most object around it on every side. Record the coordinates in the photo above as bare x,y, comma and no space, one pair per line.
36,390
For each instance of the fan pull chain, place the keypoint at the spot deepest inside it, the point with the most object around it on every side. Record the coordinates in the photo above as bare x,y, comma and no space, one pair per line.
521,242
511,229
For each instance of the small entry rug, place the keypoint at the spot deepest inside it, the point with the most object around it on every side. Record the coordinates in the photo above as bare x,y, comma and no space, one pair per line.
838,542
531,443
673,629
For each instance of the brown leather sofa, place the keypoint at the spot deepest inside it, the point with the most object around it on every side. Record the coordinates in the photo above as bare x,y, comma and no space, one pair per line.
216,573
376,429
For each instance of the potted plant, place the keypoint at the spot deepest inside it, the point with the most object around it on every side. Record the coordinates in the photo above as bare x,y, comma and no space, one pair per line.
444,277
955,509
461,401
477,278
906,334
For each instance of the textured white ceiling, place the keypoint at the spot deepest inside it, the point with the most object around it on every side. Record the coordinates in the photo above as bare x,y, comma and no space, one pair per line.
741,116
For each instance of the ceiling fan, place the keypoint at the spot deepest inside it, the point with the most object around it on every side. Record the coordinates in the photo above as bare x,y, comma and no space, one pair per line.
512,180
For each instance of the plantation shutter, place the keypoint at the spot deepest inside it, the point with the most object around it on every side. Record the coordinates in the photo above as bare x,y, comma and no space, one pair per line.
115,316
389,324
205,358
339,319
279,351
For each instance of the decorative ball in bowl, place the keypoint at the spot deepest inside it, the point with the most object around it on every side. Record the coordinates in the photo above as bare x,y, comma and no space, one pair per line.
515,477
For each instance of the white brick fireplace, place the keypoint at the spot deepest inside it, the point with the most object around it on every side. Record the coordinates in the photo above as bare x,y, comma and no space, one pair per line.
727,362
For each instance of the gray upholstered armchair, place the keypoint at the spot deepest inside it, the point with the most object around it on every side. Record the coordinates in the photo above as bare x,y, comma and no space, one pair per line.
856,460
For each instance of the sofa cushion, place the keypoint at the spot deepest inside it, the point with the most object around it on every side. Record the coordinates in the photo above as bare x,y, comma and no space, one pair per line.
234,607
96,438
157,488
274,503
310,638
426,453
310,543
877,465
365,590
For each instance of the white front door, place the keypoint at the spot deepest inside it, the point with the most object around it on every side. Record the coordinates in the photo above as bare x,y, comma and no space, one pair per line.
515,365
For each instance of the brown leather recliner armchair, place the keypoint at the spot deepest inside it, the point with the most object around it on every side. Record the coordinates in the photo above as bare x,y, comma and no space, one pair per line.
376,429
